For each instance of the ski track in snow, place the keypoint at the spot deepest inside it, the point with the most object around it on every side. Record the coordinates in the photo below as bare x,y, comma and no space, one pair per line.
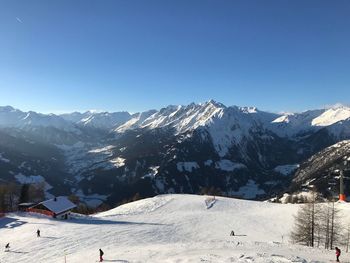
166,228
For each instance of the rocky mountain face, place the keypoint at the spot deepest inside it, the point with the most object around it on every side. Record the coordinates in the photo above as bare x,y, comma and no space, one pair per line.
110,157
322,170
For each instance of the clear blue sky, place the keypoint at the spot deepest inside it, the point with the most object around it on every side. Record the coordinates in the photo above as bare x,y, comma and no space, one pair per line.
135,55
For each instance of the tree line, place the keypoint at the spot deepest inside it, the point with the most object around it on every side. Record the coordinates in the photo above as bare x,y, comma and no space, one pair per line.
12,194
318,224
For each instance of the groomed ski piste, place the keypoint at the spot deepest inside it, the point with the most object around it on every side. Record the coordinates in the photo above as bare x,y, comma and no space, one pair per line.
166,228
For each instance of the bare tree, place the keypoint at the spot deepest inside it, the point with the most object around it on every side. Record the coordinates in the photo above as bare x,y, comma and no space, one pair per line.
307,223
9,195
347,238
316,224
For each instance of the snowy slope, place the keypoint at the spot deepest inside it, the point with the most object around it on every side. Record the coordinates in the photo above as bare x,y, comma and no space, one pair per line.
168,228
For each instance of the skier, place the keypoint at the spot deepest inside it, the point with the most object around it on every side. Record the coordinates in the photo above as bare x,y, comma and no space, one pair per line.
232,233
101,254
7,247
337,253
38,233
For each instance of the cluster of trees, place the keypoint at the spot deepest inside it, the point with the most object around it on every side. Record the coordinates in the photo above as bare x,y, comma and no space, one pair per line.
83,208
296,199
8,197
12,194
319,224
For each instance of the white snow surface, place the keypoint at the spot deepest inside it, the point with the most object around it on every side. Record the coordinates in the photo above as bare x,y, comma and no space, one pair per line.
167,228
117,162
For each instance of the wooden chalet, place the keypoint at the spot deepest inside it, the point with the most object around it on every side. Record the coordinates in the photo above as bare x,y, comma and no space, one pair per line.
59,207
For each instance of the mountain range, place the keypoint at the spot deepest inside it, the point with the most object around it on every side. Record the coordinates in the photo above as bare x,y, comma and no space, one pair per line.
110,157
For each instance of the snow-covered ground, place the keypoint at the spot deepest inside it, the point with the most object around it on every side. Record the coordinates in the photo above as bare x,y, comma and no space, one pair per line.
167,228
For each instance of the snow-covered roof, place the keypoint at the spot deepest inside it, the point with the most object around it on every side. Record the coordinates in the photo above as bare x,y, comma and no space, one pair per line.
58,204
26,204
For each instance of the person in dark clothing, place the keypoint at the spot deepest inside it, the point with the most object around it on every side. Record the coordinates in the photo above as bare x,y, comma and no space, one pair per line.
38,233
101,255
7,247
337,253
232,233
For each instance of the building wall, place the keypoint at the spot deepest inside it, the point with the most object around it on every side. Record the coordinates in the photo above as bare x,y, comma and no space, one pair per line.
65,215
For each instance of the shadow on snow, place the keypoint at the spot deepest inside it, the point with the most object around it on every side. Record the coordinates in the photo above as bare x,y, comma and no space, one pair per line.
9,222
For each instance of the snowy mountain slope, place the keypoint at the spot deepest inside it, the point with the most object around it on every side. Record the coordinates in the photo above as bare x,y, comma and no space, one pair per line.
331,116
168,228
226,125
99,120
294,124
136,121
181,118
105,120
10,117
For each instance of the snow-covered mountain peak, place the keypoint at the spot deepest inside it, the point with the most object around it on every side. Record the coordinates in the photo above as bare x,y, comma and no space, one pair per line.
8,109
13,118
331,116
281,119
182,118
249,109
105,120
291,124
213,103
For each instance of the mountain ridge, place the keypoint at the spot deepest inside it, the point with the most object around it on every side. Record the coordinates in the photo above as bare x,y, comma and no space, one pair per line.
108,157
